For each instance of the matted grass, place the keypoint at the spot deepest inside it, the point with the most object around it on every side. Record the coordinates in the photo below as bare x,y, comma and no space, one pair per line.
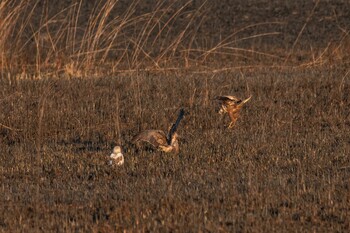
284,167
78,78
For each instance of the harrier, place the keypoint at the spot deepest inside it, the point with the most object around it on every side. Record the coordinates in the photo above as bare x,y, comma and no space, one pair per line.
117,156
159,139
232,105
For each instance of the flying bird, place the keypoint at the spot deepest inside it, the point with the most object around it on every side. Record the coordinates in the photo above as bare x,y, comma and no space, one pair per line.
117,156
159,139
231,105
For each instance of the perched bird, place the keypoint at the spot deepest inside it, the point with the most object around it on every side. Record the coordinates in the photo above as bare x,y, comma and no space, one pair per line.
232,105
159,139
117,156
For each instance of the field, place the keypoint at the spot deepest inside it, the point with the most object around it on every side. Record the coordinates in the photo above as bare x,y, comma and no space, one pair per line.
285,167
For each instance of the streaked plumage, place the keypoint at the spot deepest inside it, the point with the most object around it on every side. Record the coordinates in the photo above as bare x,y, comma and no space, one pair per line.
117,156
232,105
159,139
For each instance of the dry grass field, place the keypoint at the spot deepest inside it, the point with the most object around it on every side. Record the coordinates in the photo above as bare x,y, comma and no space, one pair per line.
285,167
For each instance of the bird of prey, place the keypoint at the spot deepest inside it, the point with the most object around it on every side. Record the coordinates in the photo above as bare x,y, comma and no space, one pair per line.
117,156
159,139
231,105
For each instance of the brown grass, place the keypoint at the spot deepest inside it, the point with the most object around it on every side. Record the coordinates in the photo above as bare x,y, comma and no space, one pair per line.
77,79
80,38
109,36
286,163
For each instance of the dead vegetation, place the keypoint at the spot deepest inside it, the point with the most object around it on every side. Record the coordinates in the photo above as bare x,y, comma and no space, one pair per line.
89,85
286,162
82,38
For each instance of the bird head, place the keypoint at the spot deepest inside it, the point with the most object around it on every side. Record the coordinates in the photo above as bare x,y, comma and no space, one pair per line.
117,149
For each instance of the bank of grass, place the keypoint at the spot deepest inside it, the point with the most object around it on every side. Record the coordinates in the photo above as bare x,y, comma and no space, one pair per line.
77,39
82,38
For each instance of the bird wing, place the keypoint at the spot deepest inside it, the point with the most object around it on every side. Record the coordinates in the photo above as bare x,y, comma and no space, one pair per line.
246,100
227,98
175,125
154,137
240,103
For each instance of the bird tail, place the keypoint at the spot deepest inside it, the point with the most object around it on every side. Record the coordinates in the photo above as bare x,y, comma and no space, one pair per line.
175,125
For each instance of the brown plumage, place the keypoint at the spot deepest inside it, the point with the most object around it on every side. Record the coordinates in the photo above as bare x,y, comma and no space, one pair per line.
158,138
232,105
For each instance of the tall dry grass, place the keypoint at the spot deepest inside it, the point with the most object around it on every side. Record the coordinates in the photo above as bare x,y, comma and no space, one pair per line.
78,42
81,39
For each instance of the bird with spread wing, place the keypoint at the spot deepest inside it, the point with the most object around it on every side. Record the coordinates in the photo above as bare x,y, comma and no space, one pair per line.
231,105
159,139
